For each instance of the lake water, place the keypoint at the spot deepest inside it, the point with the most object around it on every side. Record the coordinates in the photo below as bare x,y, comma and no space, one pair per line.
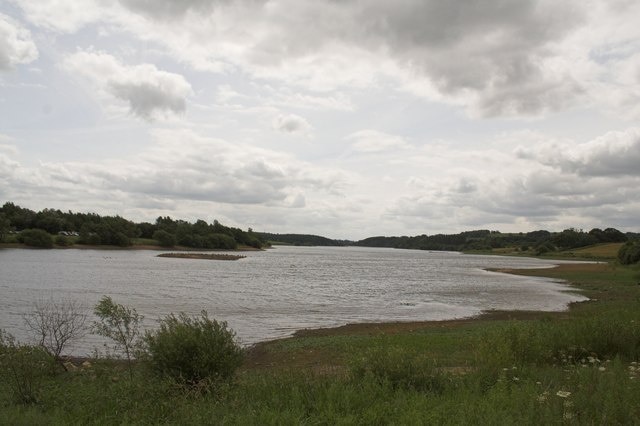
272,293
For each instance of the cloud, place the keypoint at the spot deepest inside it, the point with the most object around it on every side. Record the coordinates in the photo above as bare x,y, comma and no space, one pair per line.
291,123
149,92
493,58
614,154
552,185
170,9
64,15
16,45
372,141
181,166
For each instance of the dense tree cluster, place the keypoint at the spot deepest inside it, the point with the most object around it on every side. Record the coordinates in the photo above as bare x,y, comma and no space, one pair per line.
37,228
539,241
301,239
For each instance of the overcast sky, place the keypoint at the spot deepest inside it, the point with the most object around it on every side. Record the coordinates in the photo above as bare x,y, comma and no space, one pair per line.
341,118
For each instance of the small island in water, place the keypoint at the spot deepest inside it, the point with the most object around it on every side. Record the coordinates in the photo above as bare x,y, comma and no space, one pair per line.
209,256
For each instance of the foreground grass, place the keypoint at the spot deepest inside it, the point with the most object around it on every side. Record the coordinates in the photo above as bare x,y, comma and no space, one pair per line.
576,367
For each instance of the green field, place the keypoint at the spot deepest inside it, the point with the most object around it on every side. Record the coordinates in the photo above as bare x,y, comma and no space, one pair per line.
575,367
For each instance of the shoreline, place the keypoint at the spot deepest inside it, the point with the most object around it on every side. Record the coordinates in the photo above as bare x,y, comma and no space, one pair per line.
487,315
258,354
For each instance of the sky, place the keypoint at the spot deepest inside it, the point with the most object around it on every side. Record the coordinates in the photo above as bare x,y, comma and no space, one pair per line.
346,119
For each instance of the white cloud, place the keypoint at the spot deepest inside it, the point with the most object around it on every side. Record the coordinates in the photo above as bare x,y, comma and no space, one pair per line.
371,141
16,45
291,123
553,185
149,92
181,165
64,15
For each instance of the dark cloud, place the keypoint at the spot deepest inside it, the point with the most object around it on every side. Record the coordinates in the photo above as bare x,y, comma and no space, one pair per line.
145,99
615,154
291,123
149,92
170,9
492,53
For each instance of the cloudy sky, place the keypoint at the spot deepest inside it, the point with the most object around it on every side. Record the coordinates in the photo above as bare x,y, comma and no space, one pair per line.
341,118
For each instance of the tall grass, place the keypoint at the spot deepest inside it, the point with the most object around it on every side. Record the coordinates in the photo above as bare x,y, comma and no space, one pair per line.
609,335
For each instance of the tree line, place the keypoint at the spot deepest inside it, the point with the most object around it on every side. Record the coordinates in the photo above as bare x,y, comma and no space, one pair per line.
302,239
539,242
47,227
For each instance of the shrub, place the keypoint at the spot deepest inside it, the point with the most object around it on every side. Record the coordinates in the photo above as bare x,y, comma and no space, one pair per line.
544,248
193,350
23,368
62,241
36,238
629,253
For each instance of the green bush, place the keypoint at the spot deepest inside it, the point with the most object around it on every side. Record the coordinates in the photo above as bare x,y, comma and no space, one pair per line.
63,241
629,253
23,368
544,248
193,350
36,238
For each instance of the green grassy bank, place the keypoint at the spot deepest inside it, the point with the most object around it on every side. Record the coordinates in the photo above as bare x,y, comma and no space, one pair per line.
575,367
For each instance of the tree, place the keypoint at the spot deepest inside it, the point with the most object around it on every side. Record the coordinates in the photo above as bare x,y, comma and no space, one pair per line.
164,238
55,324
120,324
5,226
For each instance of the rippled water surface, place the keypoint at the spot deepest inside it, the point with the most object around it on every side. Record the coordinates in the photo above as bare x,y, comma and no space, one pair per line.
272,293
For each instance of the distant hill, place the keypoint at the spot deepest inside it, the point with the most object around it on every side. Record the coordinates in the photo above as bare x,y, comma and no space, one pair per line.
301,239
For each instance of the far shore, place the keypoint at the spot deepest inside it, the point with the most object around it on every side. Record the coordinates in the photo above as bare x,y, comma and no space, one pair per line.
132,247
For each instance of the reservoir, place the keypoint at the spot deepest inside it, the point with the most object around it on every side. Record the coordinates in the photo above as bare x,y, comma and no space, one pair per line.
272,293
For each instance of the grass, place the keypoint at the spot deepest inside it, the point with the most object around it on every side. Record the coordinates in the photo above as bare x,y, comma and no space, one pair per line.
575,367
602,252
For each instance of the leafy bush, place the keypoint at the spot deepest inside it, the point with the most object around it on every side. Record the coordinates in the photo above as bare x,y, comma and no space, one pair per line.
544,248
63,241
193,350
629,253
23,368
36,238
